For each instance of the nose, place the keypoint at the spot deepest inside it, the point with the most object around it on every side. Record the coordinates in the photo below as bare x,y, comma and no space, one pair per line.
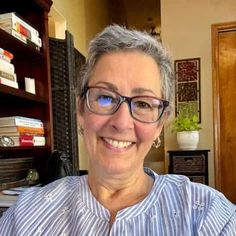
122,119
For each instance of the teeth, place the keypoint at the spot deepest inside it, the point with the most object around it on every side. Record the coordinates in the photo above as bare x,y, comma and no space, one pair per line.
118,144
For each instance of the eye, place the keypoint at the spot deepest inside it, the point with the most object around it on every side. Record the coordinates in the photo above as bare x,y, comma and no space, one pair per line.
105,100
143,104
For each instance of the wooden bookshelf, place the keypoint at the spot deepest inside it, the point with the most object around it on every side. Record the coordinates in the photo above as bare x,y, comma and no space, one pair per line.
29,62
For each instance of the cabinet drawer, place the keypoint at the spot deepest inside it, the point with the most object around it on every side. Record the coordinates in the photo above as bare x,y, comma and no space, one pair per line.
189,164
197,179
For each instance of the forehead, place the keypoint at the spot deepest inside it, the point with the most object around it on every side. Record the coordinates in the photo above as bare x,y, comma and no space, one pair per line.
127,70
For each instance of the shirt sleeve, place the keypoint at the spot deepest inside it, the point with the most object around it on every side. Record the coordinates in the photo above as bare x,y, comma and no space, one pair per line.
220,218
7,222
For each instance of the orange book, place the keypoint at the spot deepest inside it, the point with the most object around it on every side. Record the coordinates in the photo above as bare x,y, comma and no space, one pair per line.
22,129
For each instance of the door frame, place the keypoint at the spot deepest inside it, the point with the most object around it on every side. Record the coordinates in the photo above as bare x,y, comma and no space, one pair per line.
215,30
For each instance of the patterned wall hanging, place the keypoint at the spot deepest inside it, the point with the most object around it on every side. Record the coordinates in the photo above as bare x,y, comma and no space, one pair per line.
187,87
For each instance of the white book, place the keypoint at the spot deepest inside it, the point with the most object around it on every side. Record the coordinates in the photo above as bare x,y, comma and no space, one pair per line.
17,35
7,26
7,201
5,58
22,38
6,53
6,66
39,140
14,18
9,76
20,121
8,82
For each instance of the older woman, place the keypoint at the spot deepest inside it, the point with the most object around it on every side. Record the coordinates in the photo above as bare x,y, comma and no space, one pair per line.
125,92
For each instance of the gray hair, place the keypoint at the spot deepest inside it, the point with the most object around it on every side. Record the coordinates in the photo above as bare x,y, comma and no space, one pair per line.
117,38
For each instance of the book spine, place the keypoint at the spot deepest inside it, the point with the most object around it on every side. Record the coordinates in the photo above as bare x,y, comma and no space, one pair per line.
7,67
14,18
5,58
27,122
9,76
39,140
22,30
6,53
32,130
17,35
8,82
28,140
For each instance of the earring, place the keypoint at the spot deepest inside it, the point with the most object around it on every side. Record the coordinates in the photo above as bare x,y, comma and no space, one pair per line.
157,143
80,131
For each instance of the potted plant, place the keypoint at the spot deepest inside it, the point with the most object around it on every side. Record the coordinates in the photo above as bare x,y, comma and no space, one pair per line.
187,126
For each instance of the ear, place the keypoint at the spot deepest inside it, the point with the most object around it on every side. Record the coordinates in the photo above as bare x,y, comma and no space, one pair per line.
80,111
160,125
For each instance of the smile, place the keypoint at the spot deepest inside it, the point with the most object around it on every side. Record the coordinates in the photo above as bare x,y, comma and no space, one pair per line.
117,144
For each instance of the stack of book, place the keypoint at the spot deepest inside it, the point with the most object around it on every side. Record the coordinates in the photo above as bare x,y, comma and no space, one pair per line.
20,29
7,69
24,131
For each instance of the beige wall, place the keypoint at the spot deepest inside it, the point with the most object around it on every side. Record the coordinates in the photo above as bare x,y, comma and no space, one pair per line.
84,18
186,31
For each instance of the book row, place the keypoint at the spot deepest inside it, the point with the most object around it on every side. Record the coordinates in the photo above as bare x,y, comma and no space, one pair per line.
22,131
20,29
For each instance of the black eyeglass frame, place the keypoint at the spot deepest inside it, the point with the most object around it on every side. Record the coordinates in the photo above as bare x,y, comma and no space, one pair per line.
122,99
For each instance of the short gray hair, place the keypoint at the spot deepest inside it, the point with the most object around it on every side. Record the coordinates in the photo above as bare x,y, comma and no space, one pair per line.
118,38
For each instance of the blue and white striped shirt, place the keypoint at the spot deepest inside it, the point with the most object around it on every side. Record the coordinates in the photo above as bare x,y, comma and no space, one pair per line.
175,206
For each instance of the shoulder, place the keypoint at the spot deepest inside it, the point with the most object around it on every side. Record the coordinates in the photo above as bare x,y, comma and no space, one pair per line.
209,209
57,189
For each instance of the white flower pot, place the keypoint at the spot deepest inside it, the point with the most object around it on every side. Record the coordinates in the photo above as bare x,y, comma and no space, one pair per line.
188,140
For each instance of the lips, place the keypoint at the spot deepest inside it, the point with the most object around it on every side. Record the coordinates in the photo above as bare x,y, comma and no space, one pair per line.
117,143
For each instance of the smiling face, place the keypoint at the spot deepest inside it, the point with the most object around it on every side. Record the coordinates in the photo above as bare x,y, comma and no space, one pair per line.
117,143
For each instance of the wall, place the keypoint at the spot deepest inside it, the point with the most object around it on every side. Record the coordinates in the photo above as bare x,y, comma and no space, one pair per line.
84,18
186,31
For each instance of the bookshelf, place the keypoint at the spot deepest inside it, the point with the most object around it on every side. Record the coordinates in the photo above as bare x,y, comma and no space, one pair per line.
29,62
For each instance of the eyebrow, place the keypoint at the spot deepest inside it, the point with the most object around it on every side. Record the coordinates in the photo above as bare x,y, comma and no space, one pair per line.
135,90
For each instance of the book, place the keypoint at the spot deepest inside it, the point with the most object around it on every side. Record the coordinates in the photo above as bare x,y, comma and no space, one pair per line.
6,66
33,38
27,140
7,200
22,38
8,82
6,53
14,18
10,76
22,129
20,121
17,133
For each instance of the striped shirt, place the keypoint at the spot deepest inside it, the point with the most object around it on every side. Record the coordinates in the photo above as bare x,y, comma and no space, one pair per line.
175,206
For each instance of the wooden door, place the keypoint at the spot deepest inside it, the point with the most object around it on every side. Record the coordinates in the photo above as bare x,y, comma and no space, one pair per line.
224,99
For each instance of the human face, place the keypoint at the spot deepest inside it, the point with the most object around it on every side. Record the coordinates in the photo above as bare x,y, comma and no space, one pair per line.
117,143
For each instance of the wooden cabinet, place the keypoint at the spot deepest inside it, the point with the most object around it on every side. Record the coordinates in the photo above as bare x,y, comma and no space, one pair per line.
193,164
29,62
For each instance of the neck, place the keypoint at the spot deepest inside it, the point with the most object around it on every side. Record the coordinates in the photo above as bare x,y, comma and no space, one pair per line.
118,192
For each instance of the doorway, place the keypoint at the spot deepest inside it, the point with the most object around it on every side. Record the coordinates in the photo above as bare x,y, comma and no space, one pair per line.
224,106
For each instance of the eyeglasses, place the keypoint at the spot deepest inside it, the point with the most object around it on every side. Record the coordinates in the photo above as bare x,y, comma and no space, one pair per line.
146,109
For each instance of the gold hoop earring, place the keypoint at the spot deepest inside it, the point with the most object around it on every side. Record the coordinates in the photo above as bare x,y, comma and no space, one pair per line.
80,131
157,143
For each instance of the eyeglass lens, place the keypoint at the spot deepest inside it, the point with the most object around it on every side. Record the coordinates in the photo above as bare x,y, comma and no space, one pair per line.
106,102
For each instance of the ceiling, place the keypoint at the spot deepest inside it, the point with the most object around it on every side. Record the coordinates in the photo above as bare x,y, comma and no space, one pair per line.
141,14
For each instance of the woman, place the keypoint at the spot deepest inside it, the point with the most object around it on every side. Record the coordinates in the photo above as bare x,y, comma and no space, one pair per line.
125,92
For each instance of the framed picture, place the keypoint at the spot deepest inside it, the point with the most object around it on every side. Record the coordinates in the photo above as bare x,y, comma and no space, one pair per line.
187,86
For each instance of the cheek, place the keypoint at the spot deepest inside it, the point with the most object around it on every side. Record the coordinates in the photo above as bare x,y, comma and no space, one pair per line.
146,133
92,122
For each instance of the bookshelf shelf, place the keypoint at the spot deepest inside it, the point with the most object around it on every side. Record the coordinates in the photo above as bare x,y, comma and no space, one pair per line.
12,94
17,47
32,63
